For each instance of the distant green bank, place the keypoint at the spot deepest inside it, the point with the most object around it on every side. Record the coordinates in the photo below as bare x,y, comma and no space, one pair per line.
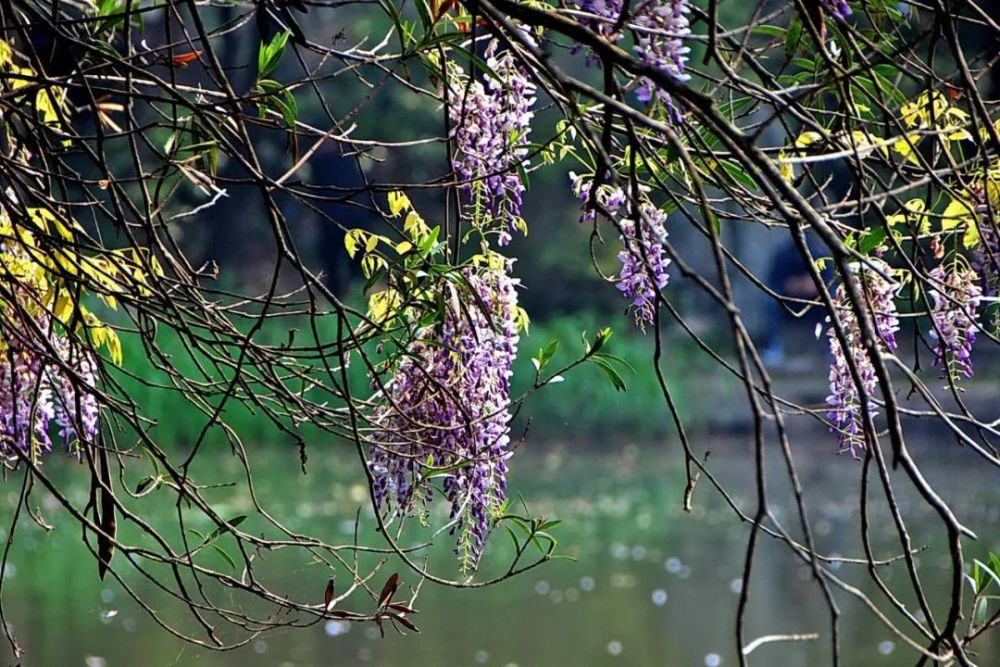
584,406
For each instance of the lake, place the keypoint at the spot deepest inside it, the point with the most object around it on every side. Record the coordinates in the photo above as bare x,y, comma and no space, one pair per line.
649,584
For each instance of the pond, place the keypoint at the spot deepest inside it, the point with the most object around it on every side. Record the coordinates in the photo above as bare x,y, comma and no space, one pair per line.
649,584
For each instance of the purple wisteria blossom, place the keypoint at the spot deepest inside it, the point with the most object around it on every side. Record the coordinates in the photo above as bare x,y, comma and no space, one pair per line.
662,26
36,392
609,198
46,380
839,9
954,314
845,413
448,406
75,405
608,13
490,127
643,260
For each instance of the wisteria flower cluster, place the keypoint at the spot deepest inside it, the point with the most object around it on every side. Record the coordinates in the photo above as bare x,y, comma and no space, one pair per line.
448,407
37,394
845,413
662,26
490,127
954,315
45,379
607,14
643,260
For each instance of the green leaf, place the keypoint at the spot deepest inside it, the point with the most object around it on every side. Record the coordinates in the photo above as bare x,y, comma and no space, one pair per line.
520,523
145,483
390,9
227,527
732,109
713,220
425,15
770,30
616,380
994,577
269,55
613,359
152,461
546,353
737,174
225,556
429,242
602,337
804,63
979,613
793,36
476,61
871,240
513,538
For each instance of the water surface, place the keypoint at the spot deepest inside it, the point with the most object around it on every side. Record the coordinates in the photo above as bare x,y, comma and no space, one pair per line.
649,584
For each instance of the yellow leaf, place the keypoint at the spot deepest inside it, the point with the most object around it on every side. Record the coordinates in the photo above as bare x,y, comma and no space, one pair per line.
404,247
21,77
63,309
415,226
382,305
46,101
958,212
522,319
863,142
905,147
398,202
41,217
984,133
114,346
807,139
154,264
970,238
785,167
370,264
351,239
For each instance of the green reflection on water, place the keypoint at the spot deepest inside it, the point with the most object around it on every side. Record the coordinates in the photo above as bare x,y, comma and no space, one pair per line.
651,585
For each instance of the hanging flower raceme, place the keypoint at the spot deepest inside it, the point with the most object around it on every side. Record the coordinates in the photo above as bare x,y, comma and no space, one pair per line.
45,379
662,26
490,127
606,13
610,198
643,260
447,407
956,302
845,413
38,392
